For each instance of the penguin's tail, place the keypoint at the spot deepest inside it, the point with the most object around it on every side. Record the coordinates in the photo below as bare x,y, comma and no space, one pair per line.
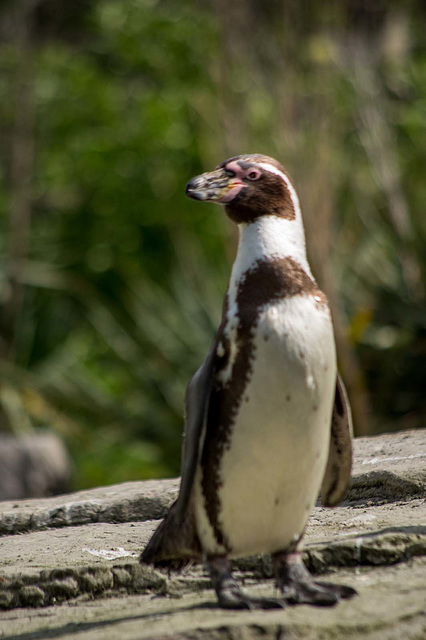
174,544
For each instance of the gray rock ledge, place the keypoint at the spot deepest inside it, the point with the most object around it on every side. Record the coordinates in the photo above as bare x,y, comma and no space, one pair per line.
80,552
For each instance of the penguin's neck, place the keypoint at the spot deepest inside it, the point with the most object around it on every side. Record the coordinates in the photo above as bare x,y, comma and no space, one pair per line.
268,238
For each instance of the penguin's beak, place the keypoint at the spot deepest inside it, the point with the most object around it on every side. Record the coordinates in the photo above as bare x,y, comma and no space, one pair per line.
214,186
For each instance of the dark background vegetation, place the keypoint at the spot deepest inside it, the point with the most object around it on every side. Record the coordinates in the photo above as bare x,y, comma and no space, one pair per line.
111,282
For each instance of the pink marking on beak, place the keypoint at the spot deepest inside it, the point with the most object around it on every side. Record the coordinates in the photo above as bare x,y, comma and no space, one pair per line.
232,191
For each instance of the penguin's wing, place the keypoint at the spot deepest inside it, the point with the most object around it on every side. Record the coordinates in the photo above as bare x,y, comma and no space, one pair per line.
175,540
196,406
339,465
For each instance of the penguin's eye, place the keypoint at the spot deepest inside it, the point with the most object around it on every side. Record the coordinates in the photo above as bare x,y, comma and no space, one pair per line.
254,174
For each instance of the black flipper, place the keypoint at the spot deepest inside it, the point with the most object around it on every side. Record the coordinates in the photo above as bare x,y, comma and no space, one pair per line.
196,405
175,541
338,471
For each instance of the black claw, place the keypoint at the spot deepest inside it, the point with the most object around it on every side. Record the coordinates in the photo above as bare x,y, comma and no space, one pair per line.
307,594
268,603
342,591
228,591
321,594
298,587
243,601
233,599
293,579
234,603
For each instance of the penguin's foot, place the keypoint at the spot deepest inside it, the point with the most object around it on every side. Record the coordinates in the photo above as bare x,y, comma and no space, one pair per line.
228,591
298,587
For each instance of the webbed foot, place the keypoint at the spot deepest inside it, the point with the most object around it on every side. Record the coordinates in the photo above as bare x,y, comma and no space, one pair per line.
298,587
228,592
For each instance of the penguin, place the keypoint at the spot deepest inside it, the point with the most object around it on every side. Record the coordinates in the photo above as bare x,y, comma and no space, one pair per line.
267,419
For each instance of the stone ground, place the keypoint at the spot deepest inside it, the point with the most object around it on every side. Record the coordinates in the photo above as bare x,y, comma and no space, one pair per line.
68,565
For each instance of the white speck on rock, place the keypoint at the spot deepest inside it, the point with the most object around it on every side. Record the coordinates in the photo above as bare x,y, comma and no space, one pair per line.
110,554
394,458
364,518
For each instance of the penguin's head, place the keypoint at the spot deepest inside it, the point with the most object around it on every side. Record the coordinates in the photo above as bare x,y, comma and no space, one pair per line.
249,186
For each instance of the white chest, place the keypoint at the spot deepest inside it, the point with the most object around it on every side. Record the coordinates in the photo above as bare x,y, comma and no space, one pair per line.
271,468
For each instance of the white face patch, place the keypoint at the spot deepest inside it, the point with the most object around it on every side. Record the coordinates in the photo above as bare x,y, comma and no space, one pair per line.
292,191
272,169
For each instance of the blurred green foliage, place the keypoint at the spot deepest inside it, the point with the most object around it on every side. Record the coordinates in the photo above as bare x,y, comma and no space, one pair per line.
123,278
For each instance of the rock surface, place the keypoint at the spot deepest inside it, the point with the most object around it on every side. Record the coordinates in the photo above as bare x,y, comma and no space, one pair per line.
68,565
